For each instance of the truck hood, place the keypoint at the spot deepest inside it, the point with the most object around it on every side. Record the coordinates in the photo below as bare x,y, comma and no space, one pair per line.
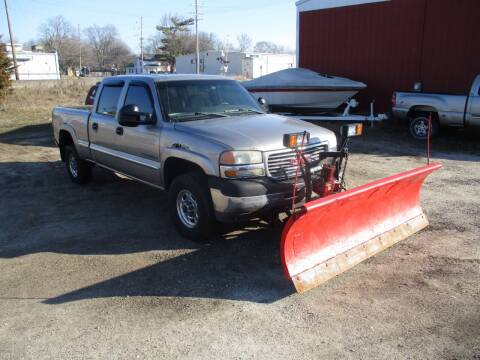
262,132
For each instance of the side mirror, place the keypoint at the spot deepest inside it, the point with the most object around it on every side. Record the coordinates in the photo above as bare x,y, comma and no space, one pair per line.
131,116
263,104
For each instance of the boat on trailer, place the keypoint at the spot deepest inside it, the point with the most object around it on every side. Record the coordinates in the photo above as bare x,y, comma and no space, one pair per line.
303,91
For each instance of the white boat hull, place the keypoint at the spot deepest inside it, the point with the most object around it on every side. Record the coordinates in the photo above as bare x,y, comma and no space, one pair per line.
305,100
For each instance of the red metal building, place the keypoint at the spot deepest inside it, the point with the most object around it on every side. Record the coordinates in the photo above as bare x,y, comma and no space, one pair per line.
391,44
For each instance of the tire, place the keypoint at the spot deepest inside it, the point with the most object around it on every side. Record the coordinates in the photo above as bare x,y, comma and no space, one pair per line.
191,208
80,171
418,127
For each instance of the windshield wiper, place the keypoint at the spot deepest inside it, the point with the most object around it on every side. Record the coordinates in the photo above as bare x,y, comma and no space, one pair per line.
242,111
194,115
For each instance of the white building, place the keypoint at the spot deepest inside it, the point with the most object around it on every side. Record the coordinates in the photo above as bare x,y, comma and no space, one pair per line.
149,67
235,64
33,65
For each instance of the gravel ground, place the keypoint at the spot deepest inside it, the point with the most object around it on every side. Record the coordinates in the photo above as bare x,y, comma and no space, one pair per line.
99,271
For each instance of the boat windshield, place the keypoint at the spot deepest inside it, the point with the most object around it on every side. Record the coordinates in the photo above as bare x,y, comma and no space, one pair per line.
189,100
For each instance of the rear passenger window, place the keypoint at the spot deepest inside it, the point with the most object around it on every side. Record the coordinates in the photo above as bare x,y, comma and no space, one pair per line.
107,104
140,96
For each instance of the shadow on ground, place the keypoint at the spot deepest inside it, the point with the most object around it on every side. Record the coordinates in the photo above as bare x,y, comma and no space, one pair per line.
43,212
31,135
246,268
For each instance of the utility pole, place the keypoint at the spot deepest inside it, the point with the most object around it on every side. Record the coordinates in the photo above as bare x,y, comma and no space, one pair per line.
80,46
10,32
141,43
196,38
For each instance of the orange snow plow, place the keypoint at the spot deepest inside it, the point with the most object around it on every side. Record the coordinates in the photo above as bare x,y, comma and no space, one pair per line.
333,233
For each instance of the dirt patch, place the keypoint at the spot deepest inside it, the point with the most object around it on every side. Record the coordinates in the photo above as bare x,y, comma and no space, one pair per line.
99,272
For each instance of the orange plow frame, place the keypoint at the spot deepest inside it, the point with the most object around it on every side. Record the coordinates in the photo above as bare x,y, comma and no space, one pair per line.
333,234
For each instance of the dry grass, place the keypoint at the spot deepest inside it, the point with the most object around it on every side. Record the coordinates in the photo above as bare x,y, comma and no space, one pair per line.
33,104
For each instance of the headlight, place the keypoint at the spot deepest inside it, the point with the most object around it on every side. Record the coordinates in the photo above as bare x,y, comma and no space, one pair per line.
241,164
241,158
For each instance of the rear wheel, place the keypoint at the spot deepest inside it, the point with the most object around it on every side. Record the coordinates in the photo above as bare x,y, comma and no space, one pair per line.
190,207
418,127
80,171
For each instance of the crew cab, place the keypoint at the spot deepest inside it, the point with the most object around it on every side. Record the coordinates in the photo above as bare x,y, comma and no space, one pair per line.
446,110
203,139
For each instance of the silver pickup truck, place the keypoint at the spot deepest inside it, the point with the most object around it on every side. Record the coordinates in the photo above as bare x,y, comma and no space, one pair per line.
446,110
204,139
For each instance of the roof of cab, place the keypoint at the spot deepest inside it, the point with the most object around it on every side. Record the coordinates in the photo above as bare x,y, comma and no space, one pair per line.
166,77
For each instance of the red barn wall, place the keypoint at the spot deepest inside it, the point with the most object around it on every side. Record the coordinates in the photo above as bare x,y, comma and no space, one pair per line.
391,45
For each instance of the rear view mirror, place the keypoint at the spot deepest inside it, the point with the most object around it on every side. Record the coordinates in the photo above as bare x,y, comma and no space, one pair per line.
131,116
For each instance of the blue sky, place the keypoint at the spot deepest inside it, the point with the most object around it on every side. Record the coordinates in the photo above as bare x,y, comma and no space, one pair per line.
272,20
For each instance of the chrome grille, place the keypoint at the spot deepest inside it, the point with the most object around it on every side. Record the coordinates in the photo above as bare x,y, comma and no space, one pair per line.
281,164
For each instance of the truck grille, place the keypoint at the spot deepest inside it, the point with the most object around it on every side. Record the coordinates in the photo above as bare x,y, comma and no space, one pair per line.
281,164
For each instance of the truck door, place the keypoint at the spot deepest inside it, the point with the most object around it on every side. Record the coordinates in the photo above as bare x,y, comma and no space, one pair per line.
473,110
103,123
139,147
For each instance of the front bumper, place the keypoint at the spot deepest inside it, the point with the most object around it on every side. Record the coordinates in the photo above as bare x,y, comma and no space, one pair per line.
242,199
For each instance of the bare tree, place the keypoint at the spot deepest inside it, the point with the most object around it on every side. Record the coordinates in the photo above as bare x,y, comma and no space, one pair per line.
244,42
108,49
58,35
268,47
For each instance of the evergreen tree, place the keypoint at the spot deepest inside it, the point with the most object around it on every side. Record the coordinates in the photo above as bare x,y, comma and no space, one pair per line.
6,69
173,42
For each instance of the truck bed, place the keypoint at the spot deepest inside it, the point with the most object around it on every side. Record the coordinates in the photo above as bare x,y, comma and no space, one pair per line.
75,119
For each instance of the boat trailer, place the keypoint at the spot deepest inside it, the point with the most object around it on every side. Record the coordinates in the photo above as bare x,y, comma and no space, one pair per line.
346,116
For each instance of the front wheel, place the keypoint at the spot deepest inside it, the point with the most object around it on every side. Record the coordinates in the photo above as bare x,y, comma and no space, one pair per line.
418,127
191,208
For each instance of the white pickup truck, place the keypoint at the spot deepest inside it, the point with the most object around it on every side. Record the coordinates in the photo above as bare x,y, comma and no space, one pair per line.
446,110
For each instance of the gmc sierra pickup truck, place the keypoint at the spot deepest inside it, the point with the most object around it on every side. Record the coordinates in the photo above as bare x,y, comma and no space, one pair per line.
446,110
203,139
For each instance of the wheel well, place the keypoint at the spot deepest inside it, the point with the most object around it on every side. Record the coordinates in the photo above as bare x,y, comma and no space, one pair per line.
176,166
423,110
64,139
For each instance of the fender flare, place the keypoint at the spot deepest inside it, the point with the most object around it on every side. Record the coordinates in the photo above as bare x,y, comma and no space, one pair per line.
194,157
69,129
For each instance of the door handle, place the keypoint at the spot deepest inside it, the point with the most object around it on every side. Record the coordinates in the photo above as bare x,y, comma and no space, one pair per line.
95,126
119,130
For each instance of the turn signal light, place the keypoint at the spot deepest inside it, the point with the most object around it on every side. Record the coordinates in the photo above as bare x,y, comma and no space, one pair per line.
352,130
293,141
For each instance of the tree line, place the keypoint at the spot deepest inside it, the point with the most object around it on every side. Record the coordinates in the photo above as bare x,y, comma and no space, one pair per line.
101,47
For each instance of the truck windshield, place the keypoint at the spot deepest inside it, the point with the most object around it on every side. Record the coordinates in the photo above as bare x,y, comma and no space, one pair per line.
191,100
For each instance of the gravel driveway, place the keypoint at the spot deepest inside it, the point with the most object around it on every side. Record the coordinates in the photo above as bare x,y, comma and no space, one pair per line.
99,272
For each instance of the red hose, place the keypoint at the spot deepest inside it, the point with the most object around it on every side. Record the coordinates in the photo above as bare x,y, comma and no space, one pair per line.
428,137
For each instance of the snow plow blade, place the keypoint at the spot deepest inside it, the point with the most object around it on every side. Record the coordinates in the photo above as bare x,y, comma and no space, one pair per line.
333,234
